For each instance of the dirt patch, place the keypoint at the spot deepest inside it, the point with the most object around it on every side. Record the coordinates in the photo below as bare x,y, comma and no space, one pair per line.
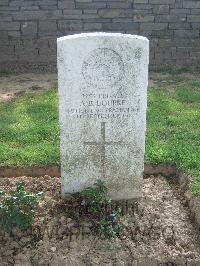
15,85
158,230
34,171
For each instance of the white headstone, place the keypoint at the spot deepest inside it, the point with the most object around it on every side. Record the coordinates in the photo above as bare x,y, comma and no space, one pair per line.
102,79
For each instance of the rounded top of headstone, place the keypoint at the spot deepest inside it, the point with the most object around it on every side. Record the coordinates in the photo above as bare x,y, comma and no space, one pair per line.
101,34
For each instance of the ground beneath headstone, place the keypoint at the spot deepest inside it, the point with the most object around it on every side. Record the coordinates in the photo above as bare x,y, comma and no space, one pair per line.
159,232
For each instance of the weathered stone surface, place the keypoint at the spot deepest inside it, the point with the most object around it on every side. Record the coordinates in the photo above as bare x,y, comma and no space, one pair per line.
161,9
121,26
193,18
4,2
9,25
29,28
47,27
153,26
179,25
141,1
143,18
191,4
69,25
171,18
110,13
184,34
68,4
102,88
160,2
92,26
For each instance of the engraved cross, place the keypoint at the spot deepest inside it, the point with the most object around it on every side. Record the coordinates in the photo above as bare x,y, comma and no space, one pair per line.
102,144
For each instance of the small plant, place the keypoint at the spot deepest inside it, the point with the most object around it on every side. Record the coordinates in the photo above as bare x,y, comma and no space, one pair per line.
96,205
17,209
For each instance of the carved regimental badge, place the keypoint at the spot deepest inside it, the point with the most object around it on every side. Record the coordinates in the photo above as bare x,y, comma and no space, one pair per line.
103,68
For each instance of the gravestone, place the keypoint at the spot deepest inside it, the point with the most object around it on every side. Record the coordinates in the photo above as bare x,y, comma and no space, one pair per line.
102,80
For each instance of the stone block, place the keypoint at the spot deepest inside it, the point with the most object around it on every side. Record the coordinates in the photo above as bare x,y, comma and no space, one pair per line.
93,17
70,25
176,5
47,27
29,8
66,4
121,26
141,1
49,8
161,2
6,49
133,32
72,12
94,5
161,9
9,8
143,18
153,26
36,43
46,3
122,20
179,25
92,26
180,54
142,6
52,43
83,1
195,11
14,34
90,11
191,4
195,26
162,33
9,26
110,13
186,34
193,18
196,55
5,16
16,2
119,5
47,51
97,20
170,18
22,50
38,14
178,11
133,11
179,43
29,28
163,55
4,3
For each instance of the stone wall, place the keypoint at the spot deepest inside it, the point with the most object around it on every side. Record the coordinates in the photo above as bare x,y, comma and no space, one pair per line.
28,28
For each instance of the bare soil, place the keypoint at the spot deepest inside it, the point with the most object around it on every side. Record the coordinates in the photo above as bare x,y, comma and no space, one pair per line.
157,230
14,85
18,84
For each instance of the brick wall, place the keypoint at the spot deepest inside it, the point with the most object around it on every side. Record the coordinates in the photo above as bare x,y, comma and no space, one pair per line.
28,28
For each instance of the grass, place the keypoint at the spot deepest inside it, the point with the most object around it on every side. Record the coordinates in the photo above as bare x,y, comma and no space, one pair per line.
29,131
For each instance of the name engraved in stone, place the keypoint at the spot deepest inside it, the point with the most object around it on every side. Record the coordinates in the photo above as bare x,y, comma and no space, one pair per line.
103,106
